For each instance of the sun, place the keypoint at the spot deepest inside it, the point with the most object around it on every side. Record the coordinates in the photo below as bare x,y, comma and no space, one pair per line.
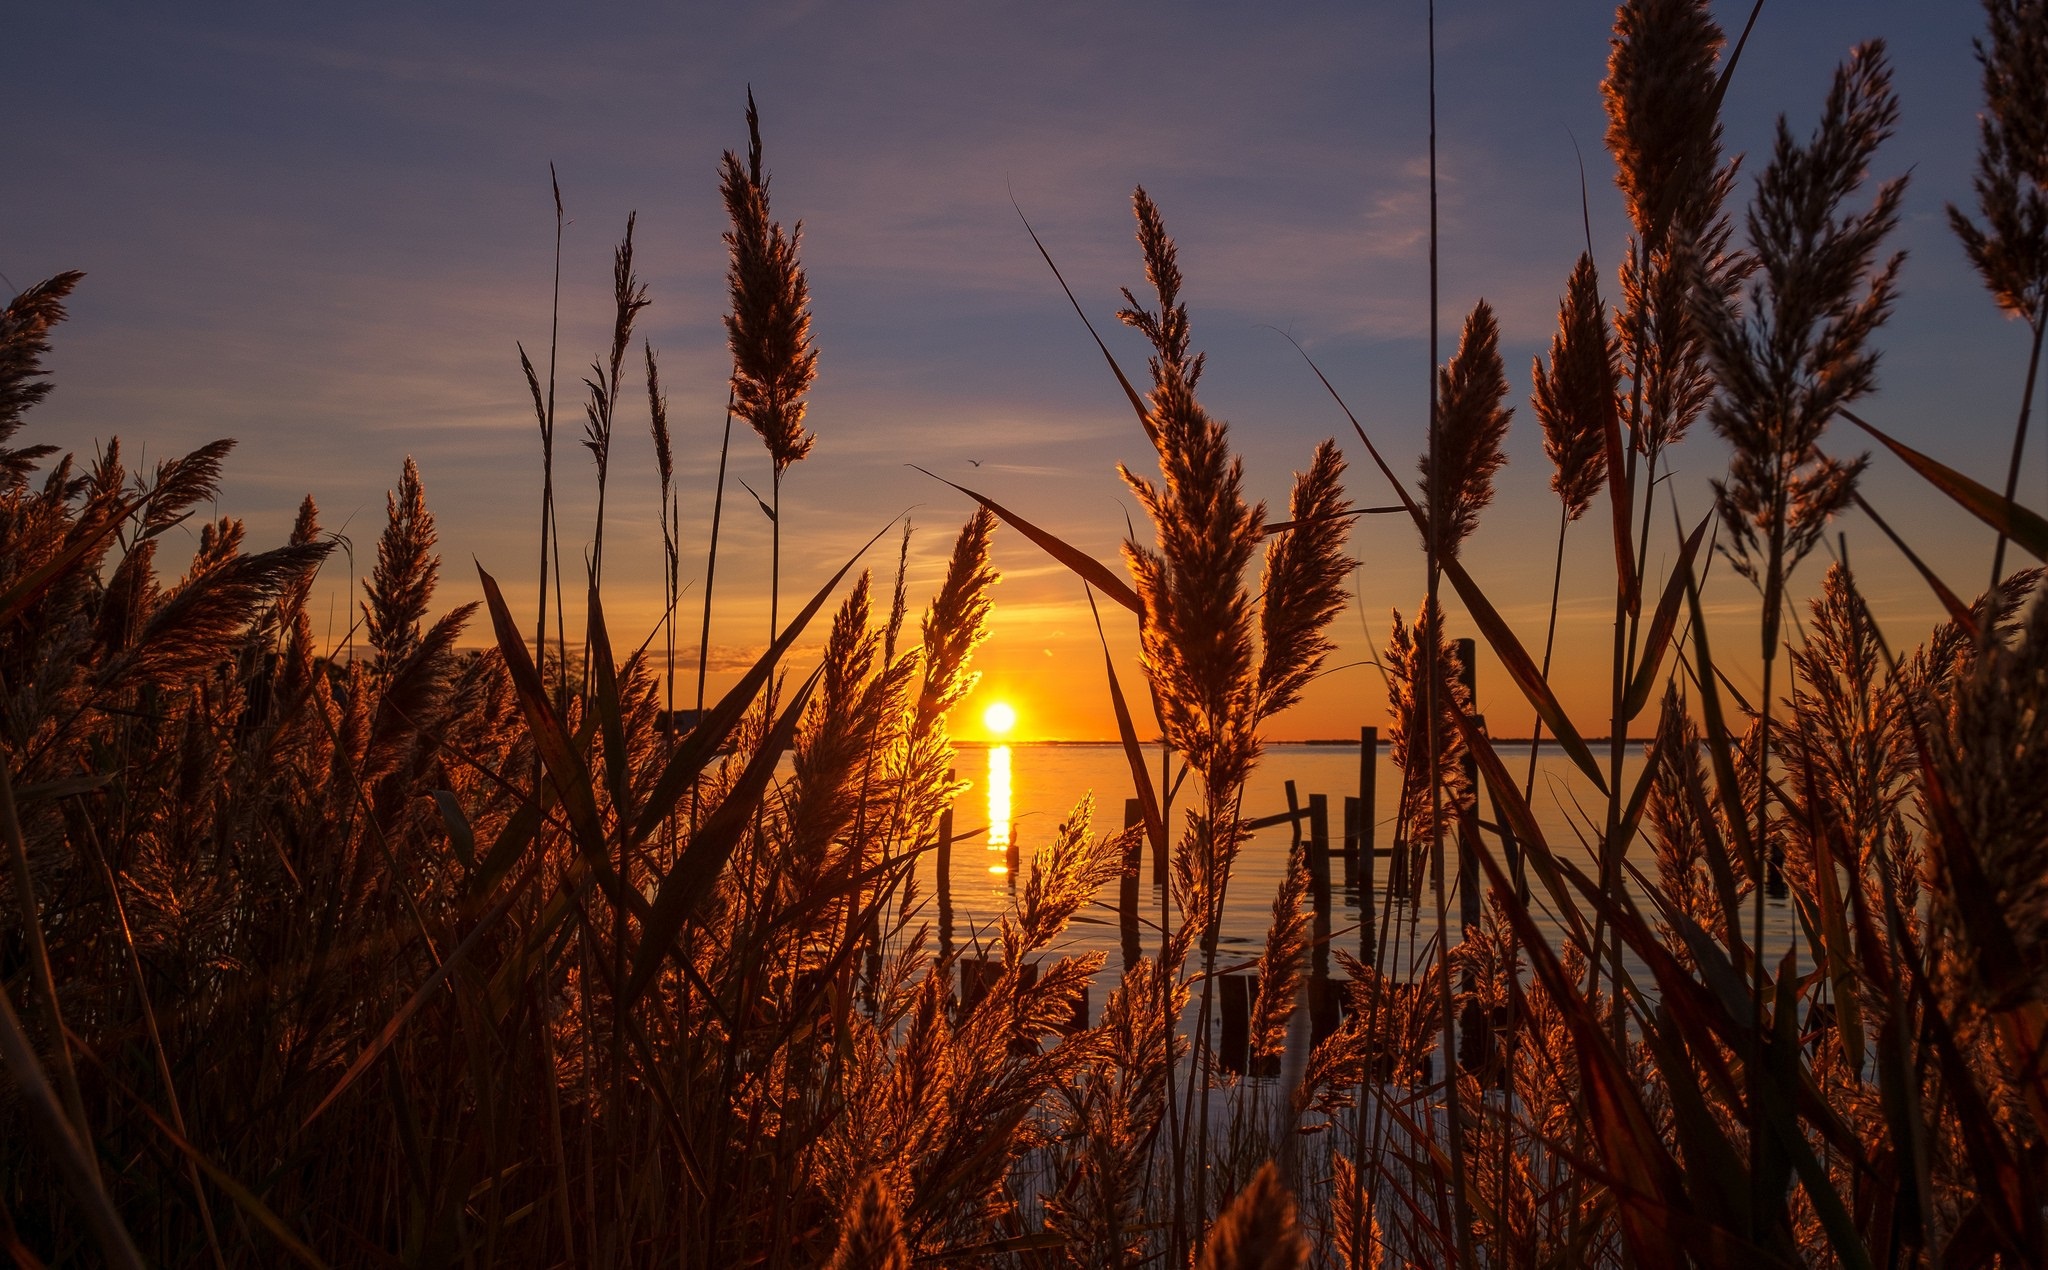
999,718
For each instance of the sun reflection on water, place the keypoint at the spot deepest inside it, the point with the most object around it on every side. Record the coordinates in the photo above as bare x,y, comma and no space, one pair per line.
998,803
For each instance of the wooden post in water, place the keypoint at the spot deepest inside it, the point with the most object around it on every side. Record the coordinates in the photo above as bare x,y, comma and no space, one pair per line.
1321,1003
1127,886
1368,771
1166,815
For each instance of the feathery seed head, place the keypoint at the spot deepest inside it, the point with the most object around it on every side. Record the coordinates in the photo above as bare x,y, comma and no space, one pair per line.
1258,1230
1576,400
1167,330
871,1231
402,583
24,337
1196,639
769,325
1471,424
1302,588
957,621
1282,962
2011,249
657,414
1802,351
1663,123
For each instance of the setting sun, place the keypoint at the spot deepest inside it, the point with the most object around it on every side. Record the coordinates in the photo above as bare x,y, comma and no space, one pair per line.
999,718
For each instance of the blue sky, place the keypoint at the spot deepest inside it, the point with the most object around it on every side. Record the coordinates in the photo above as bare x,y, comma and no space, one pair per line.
322,230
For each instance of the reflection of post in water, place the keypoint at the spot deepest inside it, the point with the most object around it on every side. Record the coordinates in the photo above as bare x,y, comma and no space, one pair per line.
944,868
1322,1002
1127,886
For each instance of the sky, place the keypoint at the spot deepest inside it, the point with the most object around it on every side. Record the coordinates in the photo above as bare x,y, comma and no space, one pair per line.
324,230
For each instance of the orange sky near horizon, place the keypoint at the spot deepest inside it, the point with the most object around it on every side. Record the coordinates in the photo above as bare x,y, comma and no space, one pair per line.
304,233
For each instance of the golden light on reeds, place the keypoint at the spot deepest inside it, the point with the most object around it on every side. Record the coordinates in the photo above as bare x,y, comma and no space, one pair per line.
742,1014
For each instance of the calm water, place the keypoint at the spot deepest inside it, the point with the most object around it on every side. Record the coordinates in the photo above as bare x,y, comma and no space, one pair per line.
1045,782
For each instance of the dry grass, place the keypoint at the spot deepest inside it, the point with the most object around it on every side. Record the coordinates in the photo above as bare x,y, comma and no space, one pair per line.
432,957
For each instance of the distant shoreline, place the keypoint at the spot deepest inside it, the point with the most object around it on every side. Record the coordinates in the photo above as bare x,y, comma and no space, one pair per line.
1349,743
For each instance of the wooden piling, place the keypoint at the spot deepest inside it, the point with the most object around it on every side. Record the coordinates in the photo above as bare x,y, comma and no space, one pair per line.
1239,991
1321,1004
1319,881
1368,772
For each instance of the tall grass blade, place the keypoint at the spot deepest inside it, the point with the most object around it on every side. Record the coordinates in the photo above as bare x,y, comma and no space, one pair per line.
1621,1125
702,742
1662,626
1137,402
74,1159
696,871
1499,635
1134,751
1958,612
421,995
15,600
1084,566
2027,528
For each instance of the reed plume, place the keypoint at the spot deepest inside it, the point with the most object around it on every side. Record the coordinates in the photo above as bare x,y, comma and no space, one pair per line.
1257,1230
1679,822
401,584
24,338
2010,250
1355,1241
1065,874
1303,582
671,523
1410,659
1575,400
1991,754
1282,963
1196,638
957,621
1801,352
871,1232
601,405
768,327
1471,424
1853,754
1576,403
1210,686
1663,121
1664,130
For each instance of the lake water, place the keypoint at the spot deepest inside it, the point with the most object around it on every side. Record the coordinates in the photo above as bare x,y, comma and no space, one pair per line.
1044,782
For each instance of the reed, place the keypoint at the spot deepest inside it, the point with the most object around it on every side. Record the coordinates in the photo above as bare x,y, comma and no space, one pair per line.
441,955
768,327
2010,249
